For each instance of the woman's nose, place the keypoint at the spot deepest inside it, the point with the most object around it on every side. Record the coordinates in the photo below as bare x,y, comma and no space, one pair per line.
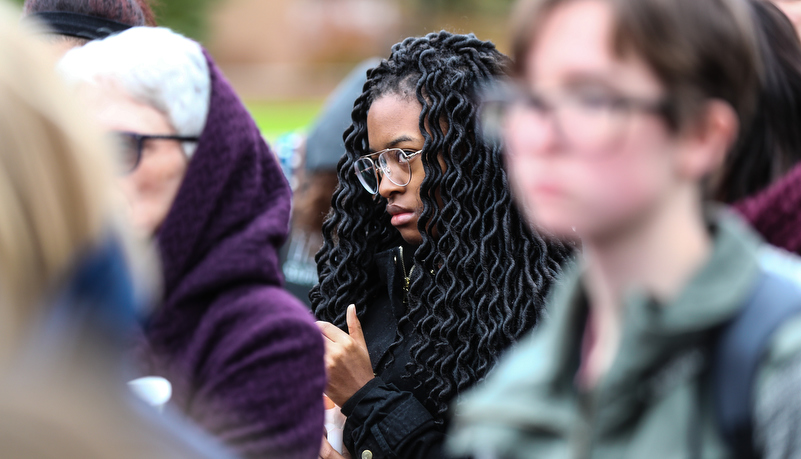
386,188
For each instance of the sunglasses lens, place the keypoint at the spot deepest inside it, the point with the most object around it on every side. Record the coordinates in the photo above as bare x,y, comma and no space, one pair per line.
365,171
127,151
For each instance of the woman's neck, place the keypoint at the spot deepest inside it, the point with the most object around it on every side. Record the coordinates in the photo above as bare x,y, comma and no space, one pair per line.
657,254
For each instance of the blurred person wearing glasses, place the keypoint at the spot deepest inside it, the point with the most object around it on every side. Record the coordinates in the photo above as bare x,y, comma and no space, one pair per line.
440,270
71,281
670,338
243,355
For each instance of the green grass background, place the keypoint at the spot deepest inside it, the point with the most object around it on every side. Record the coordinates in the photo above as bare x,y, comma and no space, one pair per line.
276,118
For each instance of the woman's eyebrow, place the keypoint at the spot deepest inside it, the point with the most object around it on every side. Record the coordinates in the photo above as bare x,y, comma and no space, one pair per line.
393,143
399,140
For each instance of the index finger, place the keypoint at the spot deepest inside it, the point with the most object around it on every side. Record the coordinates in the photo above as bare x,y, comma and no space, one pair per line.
331,331
355,327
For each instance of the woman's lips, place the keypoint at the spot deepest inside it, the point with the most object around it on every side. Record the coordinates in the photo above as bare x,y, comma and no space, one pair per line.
402,218
400,215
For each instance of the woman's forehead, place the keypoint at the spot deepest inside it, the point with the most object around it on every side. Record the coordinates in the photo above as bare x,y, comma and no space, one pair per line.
393,122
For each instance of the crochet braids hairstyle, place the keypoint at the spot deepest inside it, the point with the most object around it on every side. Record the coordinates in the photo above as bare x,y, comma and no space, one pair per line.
480,283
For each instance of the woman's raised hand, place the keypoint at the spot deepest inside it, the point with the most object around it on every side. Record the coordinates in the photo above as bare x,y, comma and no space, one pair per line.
347,362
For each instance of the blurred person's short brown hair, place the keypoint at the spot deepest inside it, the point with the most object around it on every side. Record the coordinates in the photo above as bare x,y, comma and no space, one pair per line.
699,49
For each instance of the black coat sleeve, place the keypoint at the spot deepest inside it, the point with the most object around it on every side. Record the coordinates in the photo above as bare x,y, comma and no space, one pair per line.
390,423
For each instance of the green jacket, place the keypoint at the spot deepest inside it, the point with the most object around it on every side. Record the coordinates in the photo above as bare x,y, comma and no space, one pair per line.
654,401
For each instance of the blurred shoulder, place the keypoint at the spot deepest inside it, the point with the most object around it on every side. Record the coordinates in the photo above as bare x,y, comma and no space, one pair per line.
261,320
263,306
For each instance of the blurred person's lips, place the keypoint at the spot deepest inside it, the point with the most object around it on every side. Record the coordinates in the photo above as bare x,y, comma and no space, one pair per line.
400,215
547,190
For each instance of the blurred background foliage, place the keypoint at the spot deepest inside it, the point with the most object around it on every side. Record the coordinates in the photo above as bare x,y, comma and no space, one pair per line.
189,17
285,56
469,6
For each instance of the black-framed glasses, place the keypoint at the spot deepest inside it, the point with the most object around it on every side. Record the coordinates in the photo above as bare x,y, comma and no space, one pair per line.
130,145
584,118
393,163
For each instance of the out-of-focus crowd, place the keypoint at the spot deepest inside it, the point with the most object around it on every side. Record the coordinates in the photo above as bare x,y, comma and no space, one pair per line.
586,249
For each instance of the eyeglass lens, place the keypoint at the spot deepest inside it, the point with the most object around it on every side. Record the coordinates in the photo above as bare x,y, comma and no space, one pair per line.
583,121
366,174
393,164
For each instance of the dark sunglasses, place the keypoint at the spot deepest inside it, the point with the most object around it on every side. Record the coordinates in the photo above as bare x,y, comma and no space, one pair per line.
130,144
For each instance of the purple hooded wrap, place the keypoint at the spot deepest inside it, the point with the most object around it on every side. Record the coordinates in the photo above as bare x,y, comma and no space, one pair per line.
244,356
774,211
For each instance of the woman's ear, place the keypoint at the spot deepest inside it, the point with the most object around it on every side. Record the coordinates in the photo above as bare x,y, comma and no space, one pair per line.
706,143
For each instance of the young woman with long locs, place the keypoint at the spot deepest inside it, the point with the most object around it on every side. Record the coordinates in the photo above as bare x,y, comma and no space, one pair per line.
424,239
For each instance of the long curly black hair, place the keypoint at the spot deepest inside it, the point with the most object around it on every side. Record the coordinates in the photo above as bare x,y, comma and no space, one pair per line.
481,282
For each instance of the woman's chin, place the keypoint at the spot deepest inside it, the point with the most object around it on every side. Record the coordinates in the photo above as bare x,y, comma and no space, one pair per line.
411,236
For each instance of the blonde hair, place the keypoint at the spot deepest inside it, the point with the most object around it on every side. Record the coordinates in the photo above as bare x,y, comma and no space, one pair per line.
55,179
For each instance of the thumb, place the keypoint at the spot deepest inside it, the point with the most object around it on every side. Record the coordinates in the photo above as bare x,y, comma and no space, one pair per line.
355,327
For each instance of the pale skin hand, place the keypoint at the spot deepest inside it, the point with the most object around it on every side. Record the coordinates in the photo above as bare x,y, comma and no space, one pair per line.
327,452
347,362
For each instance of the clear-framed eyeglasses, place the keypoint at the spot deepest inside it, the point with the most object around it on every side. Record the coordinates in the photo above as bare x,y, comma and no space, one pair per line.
588,119
392,163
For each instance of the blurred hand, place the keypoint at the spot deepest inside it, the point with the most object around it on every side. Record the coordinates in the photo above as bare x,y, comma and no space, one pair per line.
347,362
328,403
327,452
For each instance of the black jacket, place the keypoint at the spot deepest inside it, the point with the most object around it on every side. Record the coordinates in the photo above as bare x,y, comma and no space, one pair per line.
387,417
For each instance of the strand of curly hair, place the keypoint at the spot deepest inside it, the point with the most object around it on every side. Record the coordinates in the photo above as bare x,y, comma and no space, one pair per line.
482,282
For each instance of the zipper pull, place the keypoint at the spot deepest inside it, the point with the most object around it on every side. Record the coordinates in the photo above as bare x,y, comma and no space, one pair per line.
408,279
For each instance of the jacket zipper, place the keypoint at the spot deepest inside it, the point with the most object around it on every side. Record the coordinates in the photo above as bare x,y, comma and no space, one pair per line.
407,278
584,443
